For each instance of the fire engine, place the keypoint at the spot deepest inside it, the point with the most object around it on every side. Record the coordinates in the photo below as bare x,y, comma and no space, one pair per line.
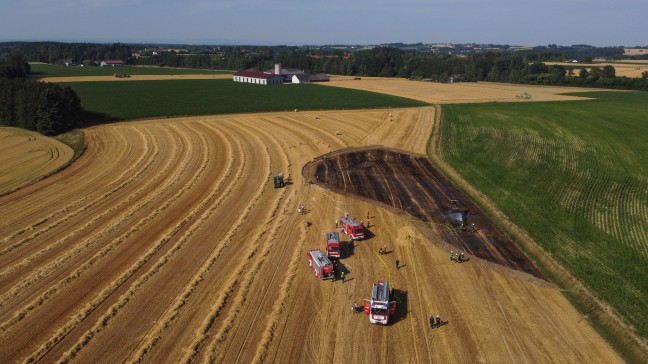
321,264
380,306
351,228
333,245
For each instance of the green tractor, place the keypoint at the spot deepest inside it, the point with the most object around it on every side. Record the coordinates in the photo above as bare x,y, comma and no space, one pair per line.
279,181
524,95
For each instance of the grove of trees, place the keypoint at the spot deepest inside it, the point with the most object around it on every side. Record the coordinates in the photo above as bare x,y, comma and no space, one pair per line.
44,107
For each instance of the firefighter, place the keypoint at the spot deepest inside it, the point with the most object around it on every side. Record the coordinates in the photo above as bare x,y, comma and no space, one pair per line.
431,322
337,224
438,321
451,255
355,307
342,275
397,264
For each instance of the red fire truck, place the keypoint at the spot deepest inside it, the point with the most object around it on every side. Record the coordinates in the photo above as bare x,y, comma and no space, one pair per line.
380,306
321,264
333,244
351,228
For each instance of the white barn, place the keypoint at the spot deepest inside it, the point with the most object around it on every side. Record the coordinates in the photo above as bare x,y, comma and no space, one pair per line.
258,77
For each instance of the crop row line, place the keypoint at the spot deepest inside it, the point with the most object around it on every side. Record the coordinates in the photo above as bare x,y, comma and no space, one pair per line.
115,284
170,315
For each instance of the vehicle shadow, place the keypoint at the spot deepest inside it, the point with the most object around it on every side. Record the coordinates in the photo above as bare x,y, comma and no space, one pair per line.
400,297
348,248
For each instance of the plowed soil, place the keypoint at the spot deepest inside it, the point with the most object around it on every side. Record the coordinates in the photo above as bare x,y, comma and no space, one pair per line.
166,242
411,185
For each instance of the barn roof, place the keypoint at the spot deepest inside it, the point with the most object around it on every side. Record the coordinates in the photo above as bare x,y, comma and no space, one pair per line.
256,74
319,77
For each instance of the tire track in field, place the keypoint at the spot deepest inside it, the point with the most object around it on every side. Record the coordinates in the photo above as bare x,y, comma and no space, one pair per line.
47,270
117,206
122,182
249,275
170,315
169,234
285,287
215,356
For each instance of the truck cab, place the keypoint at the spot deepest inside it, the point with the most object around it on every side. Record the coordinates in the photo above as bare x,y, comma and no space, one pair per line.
333,245
380,307
352,228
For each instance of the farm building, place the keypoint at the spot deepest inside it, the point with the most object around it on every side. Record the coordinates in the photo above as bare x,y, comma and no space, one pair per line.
305,78
300,78
258,77
319,77
112,63
287,73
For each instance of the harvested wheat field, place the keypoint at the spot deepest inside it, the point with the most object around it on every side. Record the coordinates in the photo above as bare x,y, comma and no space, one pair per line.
455,93
26,156
166,242
627,69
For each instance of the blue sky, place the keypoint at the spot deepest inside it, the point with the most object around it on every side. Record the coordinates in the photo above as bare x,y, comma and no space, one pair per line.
297,22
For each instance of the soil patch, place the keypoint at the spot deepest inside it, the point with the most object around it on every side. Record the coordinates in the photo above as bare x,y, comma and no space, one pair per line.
411,185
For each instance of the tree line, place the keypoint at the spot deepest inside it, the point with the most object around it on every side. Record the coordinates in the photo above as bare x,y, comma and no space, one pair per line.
43,107
524,67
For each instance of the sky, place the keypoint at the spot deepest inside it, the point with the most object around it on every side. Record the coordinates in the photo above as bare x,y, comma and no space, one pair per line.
320,22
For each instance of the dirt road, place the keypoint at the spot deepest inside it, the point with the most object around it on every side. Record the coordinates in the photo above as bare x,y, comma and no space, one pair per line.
166,242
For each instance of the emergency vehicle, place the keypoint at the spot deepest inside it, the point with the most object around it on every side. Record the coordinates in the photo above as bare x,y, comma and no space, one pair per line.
321,264
351,228
333,245
380,306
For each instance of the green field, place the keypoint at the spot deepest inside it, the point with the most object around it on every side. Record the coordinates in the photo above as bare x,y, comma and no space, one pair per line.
574,175
146,99
40,70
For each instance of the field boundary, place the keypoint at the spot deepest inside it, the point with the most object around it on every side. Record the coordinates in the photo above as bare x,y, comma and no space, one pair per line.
599,314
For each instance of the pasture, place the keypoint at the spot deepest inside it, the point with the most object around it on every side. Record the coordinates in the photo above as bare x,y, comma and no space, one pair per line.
162,98
574,176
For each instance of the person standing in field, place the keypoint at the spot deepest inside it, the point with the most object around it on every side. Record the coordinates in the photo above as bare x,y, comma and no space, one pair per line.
342,274
397,264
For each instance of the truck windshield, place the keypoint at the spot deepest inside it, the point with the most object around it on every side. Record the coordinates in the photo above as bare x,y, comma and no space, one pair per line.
334,249
378,311
357,230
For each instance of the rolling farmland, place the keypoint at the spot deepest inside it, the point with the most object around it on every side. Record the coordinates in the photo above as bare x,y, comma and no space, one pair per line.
575,177
26,156
165,241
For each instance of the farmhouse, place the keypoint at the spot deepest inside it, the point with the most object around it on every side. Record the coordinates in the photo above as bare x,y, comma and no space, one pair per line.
112,63
258,77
